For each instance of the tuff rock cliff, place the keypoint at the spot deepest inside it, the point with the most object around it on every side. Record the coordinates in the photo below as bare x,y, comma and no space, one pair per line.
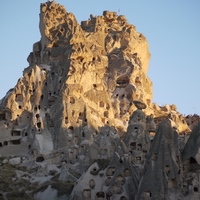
80,123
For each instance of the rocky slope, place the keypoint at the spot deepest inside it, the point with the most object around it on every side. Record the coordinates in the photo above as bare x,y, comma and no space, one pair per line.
75,118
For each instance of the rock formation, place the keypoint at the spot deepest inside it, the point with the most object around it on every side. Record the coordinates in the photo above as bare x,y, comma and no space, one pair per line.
81,118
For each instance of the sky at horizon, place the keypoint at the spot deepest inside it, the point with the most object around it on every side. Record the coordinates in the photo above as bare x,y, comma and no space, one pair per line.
172,29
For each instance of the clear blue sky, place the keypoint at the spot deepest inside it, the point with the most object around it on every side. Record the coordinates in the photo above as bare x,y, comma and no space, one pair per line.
172,28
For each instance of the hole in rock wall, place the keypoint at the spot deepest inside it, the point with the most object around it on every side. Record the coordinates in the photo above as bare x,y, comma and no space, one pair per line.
71,128
107,106
66,120
148,102
5,143
42,97
86,193
72,100
122,81
133,145
39,124
100,195
139,146
40,159
195,189
32,98
92,183
147,194
137,80
37,116
2,116
110,171
83,134
101,104
15,133
106,114
154,157
123,198
80,115
53,75
192,160
127,172
15,142
108,181
80,58
19,97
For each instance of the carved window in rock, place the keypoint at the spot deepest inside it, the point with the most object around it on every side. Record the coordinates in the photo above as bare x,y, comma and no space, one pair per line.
100,195
107,106
32,98
123,198
66,120
138,159
148,102
92,183
101,104
39,125
154,157
110,171
147,195
5,143
1,144
172,183
86,194
70,128
81,116
105,114
15,142
120,180
2,116
132,145
52,75
94,85
144,153
108,181
42,97
135,129
137,81
122,81
192,160
139,146
19,97
76,140
72,100
196,189
127,172
40,159
15,133
94,171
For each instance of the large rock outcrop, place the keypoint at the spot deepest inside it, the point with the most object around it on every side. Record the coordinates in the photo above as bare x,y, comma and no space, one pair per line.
82,114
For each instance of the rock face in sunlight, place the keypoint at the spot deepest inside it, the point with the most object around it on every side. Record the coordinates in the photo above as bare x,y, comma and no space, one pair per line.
80,123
